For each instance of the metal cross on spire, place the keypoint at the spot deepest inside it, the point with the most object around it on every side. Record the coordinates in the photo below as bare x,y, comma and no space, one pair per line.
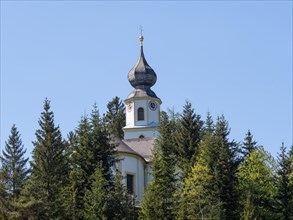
140,28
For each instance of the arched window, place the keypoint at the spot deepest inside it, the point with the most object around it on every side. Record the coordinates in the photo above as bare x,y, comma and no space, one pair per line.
140,114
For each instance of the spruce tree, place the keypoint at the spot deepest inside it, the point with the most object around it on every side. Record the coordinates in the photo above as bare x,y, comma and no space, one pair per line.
42,194
103,150
13,171
284,197
81,153
256,186
209,126
72,195
290,159
159,199
89,146
93,145
225,167
83,165
188,138
248,145
3,198
115,117
96,202
102,201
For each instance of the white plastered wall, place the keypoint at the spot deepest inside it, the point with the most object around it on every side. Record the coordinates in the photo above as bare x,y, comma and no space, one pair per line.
149,115
133,134
135,166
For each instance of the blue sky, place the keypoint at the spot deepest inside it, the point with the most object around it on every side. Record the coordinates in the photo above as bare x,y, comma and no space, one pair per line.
226,57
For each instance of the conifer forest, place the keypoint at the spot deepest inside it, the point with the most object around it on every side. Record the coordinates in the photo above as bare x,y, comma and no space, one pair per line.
199,173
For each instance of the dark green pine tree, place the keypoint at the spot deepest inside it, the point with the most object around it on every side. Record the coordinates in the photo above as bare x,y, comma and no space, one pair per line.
102,201
159,199
225,168
3,198
115,117
14,170
284,197
72,195
89,146
209,126
80,149
96,202
188,138
122,203
248,145
290,157
42,194
93,145
82,166
102,148
208,151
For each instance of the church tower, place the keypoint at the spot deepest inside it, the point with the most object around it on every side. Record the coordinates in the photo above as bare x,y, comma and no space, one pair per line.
142,104
142,121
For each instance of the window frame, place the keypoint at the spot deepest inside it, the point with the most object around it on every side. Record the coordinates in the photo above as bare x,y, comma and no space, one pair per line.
132,191
140,114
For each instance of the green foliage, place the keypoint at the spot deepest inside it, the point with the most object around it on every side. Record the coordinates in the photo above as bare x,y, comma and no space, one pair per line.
197,200
188,138
33,203
248,145
49,170
72,195
89,146
225,167
209,126
115,117
200,197
159,200
102,149
284,197
122,203
197,172
13,171
249,208
96,197
290,177
256,185
107,202
3,197
92,144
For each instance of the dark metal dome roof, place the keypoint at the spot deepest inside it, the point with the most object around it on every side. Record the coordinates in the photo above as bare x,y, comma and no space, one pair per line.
140,93
142,76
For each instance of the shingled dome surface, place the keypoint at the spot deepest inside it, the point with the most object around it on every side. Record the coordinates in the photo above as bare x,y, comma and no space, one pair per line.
142,77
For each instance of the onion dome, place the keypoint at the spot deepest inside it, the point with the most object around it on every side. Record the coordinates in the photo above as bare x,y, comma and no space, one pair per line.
142,76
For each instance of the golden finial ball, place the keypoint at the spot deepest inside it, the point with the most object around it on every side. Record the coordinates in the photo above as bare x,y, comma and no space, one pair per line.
141,38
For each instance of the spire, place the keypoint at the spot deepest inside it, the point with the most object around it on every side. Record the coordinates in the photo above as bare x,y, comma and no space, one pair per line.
142,76
141,37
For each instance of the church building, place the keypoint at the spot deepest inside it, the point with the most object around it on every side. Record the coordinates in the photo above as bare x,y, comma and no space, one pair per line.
142,121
